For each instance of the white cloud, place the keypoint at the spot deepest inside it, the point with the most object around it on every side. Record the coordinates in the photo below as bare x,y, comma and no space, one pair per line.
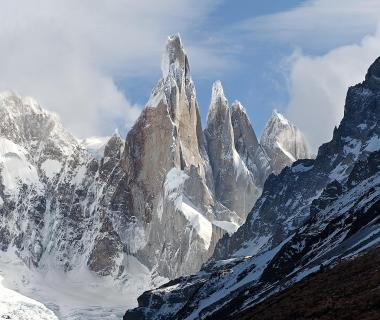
67,54
318,24
343,38
318,86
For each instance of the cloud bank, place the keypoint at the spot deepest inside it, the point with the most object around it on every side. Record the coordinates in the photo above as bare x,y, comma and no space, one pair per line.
341,39
318,86
67,54
317,24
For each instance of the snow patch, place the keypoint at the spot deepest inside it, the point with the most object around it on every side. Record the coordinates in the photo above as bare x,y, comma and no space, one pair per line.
228,226
287,153
252,247
15,168
301,168
280,117
200,224
155,100
174,181
51,168
95,145
239,165
339,172
362,126
352,146
80,175
16,306
173,185
373,144
33,104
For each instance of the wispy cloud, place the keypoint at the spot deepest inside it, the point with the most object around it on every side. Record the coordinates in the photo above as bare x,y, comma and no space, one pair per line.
334,43
317,23
67,54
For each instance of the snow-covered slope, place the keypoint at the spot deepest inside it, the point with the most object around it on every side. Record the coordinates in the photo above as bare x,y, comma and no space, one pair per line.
14,305
315,212
74,295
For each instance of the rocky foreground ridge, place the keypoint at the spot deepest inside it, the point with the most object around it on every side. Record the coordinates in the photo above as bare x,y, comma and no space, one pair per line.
347,290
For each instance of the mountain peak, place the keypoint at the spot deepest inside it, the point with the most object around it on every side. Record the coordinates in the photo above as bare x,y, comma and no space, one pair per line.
278,117
217,93
218,104
27,105
282,140
372,77
174,56
175,40
237,110
237,106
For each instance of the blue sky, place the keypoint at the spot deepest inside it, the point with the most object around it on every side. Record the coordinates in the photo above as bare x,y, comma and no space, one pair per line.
253,78
95,62
258,61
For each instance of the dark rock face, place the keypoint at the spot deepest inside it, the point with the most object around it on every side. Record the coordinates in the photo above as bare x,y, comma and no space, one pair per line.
102,257
317,212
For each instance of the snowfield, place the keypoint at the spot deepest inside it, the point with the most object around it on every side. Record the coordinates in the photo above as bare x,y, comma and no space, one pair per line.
15,167
27,294
16,306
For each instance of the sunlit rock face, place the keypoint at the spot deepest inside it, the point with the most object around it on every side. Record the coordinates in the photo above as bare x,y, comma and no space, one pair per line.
234,183
169,176
247,145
